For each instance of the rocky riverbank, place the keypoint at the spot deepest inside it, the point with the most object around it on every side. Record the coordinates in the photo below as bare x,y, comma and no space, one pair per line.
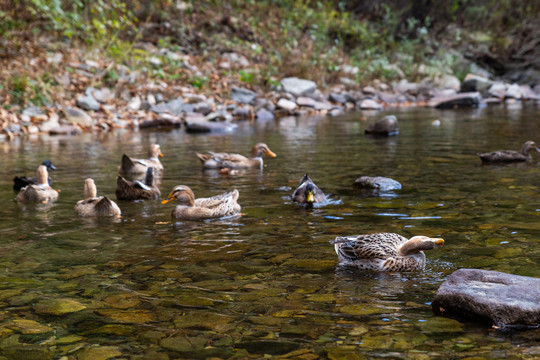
89,99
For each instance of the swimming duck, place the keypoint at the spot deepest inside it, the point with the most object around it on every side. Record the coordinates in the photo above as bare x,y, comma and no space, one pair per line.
41,191
204,208
20,182
308,192
236,161
384,251
92,205
510,155
131,166
137,190
386,126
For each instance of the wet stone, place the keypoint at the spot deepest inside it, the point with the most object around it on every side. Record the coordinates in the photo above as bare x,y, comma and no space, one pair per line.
27,352
298,87
65,130
202,320
131,316
58,306
378,183
99,353
268,347
174,107
286,104
183,344
369,104
344,353
25,326
263,114
441,325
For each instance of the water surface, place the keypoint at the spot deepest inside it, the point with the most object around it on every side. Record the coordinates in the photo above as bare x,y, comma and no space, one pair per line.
268,282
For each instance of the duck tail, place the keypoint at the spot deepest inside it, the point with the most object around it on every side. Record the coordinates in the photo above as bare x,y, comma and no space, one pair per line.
127,163
203,157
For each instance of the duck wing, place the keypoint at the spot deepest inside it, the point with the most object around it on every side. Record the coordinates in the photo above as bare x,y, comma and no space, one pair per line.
503,156
229,160
379,246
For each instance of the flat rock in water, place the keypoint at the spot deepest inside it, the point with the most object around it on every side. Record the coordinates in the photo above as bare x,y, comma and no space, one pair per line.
205,126
298,87
379,183
65,130
164,121
386,126
242,95
58,306
502,299
461,100
286,104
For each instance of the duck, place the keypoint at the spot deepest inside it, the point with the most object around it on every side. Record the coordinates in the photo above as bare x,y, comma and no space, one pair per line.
41,192
505,156
132,166
308,193
387,126
385,251
214,160
137,190
213,207
94,205
20,182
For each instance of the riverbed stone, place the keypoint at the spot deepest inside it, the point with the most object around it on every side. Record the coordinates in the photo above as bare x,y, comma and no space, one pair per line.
26,326
497,89
490,296
99,353
87,103
194,125
386,126
242,95
65,130
473,82
305,101
337,98
58,306
378,183
448,81
513,91
78,117
183,344
461,100
298,87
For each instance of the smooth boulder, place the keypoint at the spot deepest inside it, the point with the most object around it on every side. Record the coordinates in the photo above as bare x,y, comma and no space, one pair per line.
387,126
378,183
502,299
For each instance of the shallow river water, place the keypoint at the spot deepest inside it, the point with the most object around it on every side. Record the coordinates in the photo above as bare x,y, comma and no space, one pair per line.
267,284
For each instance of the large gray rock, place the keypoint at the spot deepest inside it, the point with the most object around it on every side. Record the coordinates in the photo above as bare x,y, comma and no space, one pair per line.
174,107
387,126
461,100
491,296
473,82
298,87
242,95
378,183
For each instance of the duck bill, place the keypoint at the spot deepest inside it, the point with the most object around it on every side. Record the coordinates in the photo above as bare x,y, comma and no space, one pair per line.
310,197
167,200
52,167
438,242
160,154
537,149
270,153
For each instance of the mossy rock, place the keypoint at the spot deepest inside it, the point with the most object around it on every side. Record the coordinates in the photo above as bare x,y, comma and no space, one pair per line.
58,306
99,353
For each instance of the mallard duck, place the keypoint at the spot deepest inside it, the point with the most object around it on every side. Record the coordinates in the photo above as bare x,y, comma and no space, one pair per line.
92,205
308,192
510,155
236,161
131,166
386,126
41,191
137,190
384,251
204,208
20,182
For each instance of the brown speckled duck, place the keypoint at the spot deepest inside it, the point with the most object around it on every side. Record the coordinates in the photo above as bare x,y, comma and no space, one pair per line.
204,208
384,251
92,205
22,181
308,193
131,166
41,192
137,190
505,156
236,161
